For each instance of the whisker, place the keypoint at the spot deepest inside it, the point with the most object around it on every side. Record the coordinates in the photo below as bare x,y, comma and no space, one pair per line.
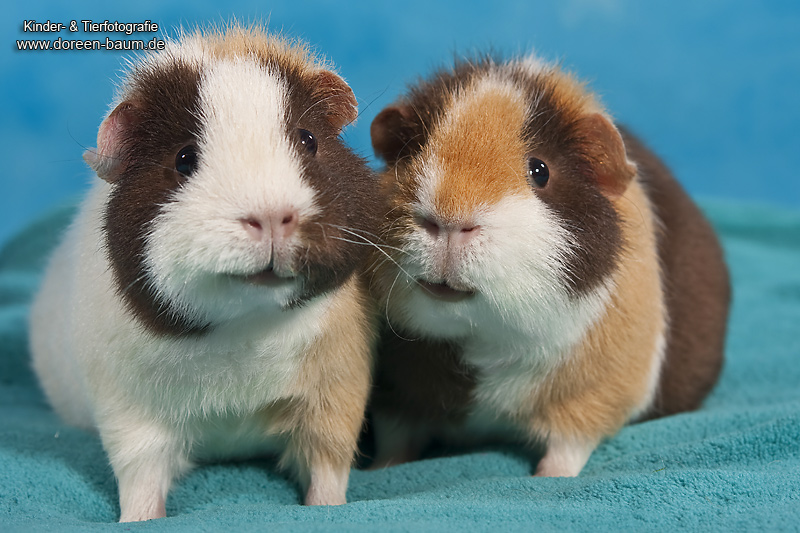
366,244
388,321
361,110
389,257
543,126
367,241
309,108
351,230
379,247
132,283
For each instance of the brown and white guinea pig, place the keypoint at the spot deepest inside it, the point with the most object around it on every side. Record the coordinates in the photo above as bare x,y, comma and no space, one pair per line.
194,309
544,278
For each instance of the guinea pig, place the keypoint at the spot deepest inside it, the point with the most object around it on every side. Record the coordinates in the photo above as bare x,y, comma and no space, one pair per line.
544,279
194,310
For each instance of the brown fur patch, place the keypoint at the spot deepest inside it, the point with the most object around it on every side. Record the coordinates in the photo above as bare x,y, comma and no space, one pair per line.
163,120
422,380
604,147
555,132
346,190
606,378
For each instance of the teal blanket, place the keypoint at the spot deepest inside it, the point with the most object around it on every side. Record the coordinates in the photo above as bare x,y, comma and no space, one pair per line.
733,465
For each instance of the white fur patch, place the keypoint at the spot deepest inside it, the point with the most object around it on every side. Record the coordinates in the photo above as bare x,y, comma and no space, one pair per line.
429,181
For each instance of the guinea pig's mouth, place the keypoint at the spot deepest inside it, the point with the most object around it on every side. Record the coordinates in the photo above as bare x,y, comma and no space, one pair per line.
267,278
444,292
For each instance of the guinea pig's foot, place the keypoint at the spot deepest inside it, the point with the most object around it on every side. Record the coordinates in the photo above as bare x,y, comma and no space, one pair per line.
564,458
328,485
145,510
144,475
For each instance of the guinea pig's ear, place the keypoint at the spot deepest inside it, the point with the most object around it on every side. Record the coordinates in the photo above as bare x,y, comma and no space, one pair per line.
107,159
339,98
606,150
392,132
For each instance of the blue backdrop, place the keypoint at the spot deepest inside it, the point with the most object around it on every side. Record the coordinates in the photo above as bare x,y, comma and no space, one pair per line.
712,85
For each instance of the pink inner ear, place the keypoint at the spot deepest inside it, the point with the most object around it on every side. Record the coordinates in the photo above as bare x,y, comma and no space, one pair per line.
606,149
339,98
107,158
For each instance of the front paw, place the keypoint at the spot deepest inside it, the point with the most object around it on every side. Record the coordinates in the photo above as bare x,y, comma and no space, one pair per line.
555,469
328,485
564,458
143,510
320,498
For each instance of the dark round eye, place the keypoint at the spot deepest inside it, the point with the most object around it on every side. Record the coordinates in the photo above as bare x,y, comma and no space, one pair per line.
538,174
186,160
308,140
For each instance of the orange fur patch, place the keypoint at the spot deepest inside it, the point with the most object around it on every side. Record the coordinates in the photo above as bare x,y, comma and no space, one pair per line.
480,151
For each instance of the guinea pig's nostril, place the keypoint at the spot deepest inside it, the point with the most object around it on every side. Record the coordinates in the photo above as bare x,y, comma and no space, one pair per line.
284,223
431,227
253,228
461,235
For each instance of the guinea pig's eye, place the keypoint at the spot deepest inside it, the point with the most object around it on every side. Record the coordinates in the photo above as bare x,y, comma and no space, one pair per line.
538,173
186,160
308,141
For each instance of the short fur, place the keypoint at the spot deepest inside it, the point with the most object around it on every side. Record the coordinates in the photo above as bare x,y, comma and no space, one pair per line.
154,324
572,310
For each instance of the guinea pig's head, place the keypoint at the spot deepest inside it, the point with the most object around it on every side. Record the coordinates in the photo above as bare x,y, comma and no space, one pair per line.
230,189
502,180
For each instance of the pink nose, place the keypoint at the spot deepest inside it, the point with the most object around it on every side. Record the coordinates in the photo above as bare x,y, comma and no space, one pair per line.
279,225
456,234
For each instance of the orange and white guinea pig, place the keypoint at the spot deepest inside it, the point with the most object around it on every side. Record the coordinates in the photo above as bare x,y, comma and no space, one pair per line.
543,277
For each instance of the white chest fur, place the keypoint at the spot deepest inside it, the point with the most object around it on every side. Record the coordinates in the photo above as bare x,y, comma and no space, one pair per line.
514,355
